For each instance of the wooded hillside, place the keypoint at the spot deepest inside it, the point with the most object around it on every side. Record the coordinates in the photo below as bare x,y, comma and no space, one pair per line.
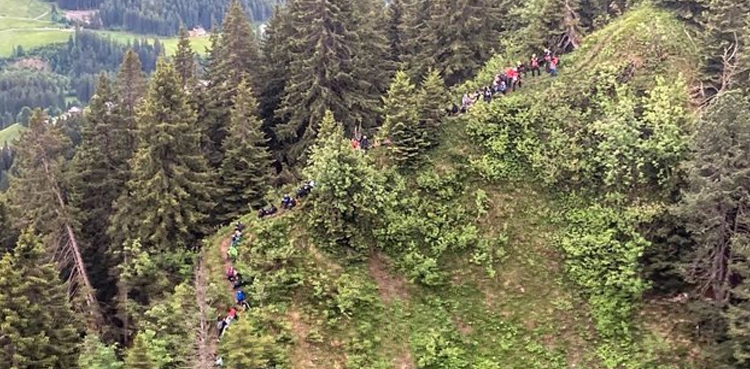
422,184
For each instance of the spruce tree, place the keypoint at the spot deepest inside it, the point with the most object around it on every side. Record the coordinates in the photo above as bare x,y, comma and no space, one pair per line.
8,235
167,198
139,356
98,175
184,60
402,121
245,174
396,30
348,191
37,324
243,348
275,69
713,203
131,82
724,26
38,198
234,56
420,45
323,74
434,99
97,355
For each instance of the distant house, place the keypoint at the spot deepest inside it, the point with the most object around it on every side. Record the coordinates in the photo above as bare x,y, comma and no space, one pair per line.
197,32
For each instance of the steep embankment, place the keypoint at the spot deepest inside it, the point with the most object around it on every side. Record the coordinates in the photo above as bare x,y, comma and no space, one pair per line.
469,272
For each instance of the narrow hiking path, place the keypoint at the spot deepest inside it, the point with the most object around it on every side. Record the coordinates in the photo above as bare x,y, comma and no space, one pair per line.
206,345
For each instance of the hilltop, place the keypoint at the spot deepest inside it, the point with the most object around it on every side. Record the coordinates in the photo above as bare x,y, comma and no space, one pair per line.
489,279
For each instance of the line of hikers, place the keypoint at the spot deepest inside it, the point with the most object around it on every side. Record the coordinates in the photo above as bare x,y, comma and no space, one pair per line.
509,79
287,201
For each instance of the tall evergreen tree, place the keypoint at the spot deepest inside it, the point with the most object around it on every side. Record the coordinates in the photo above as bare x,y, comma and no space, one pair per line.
348,191
434,99
39,200
246,169
139,356
97,355
167,197
716,199
715,207
8,235
420,44
234,57
323,74
396,30
184,59
244,348
724,26
131,82
38,327
99,170
275,70
402,121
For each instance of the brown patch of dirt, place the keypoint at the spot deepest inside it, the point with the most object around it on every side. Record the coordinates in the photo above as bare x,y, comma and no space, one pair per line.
390,287
300,354
462,327
404,361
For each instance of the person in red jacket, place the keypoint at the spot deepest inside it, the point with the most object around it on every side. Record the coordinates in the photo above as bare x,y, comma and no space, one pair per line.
553,66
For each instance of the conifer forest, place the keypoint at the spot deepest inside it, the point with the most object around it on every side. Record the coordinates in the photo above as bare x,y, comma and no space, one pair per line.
369,184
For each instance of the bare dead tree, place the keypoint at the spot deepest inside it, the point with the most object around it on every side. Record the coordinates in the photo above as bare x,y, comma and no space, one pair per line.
571,36
204,344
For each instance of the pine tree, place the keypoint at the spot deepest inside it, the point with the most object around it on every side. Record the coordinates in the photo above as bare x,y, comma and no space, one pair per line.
434,99
38,200
275,70
184,59
323,74
8,235
715,201
396,29
420,45
139,356
38,327
234,57
167,197
724,26
348,191
465,37
373,67
246,169
243,348
131,82
402,121
99,170
97,355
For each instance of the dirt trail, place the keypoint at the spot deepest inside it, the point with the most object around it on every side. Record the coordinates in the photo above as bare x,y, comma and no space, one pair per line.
205,342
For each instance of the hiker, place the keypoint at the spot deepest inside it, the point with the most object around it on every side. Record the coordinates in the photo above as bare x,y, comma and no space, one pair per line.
219,361
521,67
534,63
465,102
364,144
233,253
221,325
487,94
235,241
503,87
553,66
231,273
270,211
287,202
238,282
240,297
239,227
547,59
355,144
305,190
232,314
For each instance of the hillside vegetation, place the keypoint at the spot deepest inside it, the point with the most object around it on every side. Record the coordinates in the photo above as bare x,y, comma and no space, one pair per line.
404,200
488,286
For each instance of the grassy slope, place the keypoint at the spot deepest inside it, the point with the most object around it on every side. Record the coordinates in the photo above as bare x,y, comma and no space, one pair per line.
10,133
23,8
527,315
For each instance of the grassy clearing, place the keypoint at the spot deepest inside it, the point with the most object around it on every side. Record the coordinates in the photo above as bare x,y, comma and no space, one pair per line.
18,23
24,9
199,44
30,39
10,133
